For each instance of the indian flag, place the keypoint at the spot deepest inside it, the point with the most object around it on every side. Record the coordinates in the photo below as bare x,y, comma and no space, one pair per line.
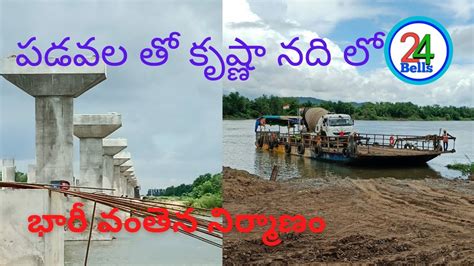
286,107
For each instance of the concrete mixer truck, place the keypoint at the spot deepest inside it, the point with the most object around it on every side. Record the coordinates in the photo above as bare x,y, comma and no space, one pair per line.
319,120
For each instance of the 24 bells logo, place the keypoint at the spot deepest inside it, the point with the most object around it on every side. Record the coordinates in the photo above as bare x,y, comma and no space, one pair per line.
418,50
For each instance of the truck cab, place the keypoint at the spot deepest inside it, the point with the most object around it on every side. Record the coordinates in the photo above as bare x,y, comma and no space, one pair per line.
334,125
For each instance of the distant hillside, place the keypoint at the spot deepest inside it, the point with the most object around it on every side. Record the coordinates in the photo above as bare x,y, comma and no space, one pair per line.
316,101
236,106
313,101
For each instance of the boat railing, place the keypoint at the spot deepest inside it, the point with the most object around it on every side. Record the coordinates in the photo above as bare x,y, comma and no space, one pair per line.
422,143
363,140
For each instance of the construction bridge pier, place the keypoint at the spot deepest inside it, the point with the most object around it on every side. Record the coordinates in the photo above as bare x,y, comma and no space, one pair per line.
105,165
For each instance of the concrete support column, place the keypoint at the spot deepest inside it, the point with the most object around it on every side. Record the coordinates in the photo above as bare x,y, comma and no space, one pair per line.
119,159
131,192
127,186
116,180
129,174
136,187
54,143
8,173
111,147
125,169
91,129
32,173
54,241
123,180
124,186
54,88
19,247
107,172
8,170
90,162
127,181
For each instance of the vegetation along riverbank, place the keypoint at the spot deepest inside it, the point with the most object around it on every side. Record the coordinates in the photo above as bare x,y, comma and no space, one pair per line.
465,168
204,192
236,106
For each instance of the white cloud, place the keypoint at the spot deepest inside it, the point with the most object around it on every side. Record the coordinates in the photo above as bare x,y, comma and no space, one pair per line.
338,81
321,15
463,41
238,11
460,9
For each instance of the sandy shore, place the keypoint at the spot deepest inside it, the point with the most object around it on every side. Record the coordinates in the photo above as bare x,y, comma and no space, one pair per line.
369,221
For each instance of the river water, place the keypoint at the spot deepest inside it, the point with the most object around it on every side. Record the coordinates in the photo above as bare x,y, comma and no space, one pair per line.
239,152
144,248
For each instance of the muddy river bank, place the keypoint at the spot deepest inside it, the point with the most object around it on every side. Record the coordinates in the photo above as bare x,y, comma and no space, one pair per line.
381,220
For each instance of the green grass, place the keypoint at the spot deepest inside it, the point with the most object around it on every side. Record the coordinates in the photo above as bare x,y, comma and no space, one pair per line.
207,201
465,168
205,192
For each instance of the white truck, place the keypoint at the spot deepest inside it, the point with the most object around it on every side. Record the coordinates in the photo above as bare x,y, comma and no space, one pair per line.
319,120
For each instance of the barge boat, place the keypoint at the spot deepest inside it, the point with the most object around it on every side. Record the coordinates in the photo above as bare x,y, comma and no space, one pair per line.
355,148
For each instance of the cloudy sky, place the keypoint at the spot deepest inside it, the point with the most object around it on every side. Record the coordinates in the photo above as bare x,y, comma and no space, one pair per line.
171,115
340,23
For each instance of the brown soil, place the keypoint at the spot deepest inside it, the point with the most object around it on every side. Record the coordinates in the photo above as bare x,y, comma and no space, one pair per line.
368,221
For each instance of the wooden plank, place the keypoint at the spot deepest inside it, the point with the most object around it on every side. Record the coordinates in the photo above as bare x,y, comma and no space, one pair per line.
274,173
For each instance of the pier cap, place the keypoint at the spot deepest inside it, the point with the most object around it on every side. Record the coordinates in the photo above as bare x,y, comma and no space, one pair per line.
44,80
121,157
96,126
126,165
129,172
113,146
124,168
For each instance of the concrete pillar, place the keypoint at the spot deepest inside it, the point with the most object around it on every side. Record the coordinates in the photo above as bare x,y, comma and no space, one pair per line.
54,150
54,88
111,147
91,129
20,247
32,173
8,170
116,183
54,241
8,173
123,180
127,181
123,184
136,188
119,159
131,187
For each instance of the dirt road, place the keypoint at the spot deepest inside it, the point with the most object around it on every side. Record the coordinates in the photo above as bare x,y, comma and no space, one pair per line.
369,221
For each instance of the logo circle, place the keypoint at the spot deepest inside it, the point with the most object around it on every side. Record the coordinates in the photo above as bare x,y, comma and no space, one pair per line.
418,50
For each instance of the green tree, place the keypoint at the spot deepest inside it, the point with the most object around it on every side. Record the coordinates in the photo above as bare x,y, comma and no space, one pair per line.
21,177
237,106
